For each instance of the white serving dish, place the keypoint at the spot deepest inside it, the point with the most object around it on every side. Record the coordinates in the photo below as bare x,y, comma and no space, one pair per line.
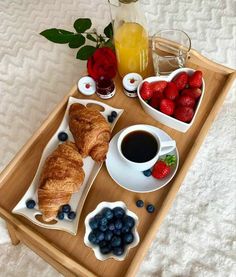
161,117
88,229
91,169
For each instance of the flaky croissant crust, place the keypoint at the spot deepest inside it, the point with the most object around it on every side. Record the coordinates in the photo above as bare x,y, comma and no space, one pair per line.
90,131
62,175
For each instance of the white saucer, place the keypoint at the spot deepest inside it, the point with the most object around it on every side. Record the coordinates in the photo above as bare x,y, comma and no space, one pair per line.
131,179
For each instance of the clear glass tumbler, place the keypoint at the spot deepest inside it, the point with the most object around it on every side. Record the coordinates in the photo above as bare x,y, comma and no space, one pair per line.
170,50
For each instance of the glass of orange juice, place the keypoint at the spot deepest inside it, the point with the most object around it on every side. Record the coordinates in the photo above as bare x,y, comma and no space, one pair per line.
131,39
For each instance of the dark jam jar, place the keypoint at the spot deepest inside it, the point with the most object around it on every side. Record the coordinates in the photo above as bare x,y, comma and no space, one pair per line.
105,88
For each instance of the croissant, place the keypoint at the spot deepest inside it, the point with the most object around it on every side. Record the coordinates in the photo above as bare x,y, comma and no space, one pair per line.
62,175
90,130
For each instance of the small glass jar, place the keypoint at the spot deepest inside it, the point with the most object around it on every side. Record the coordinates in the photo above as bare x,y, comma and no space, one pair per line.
130,83
105,88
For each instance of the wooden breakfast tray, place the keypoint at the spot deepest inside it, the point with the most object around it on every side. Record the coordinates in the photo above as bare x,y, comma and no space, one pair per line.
67,253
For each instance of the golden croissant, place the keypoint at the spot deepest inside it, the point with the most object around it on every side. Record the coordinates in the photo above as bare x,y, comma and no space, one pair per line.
62,175
90,130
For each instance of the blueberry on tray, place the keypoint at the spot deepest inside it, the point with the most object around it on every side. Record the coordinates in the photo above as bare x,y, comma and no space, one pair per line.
30,204
62,136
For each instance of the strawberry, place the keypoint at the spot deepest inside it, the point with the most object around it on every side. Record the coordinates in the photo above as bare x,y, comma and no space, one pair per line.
195,81
181,80
184,114
171,91
155,102
186,101
158,86
146,92
162,167
192,92
167,106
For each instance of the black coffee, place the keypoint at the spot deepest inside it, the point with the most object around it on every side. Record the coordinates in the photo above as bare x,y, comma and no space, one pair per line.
139,146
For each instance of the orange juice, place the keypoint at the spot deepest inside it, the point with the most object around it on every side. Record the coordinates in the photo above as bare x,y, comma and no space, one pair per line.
131,43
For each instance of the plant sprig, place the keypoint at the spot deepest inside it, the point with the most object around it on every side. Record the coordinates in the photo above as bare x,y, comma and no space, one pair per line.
78,39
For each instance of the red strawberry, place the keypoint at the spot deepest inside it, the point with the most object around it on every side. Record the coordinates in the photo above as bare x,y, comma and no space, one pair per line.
158,86
167,106
181,80
195,81
171,91
162,167
146,92
186,101
155,102
184,114
192,92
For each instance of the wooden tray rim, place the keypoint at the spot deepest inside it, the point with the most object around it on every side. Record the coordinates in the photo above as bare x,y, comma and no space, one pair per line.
144,245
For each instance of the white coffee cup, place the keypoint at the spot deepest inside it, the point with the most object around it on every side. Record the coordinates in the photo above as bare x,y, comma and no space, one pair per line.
164,147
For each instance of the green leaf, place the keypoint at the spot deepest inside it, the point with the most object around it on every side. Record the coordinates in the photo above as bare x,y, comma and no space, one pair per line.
109,43
77,41
108,31
82,24
57,35
90,37
85,52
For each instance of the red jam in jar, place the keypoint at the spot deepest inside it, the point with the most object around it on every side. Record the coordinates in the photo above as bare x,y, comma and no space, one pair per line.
105,88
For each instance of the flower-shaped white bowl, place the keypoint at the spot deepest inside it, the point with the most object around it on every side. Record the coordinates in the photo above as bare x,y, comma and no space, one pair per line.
88,229
161,117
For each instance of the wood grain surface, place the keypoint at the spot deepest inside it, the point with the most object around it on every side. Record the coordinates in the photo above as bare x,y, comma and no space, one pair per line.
68,253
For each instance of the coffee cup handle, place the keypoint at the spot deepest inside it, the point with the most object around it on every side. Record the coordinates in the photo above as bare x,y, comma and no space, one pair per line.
167,146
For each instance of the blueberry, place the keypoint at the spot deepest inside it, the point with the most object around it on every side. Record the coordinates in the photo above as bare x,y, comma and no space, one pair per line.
107,213
117,232
102,228
30,204
150,208
139,203
129,221
118,212
102,243
93,223
98,216
66,208
125,229
147,173
60,215
71,215
110,118
118,224
114,114
105,250
92,238
116,241
108,235
128,238
103,221
111,226
118,251
100,235
62,136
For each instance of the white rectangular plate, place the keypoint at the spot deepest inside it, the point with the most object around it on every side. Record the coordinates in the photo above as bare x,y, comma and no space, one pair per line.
91,169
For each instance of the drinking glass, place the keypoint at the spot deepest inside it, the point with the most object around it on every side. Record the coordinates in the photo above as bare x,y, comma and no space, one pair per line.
170,50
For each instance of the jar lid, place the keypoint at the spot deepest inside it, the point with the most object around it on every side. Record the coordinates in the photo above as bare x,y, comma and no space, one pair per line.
131,81
86,85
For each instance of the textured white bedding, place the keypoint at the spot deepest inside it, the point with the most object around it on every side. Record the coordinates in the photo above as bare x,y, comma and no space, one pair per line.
198,237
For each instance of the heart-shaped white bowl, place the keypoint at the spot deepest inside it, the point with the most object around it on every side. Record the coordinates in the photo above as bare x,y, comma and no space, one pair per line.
88,229
161,117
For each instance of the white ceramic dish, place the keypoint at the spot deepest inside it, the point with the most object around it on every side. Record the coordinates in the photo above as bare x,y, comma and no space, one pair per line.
88,229
132,179
161,117
90,167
